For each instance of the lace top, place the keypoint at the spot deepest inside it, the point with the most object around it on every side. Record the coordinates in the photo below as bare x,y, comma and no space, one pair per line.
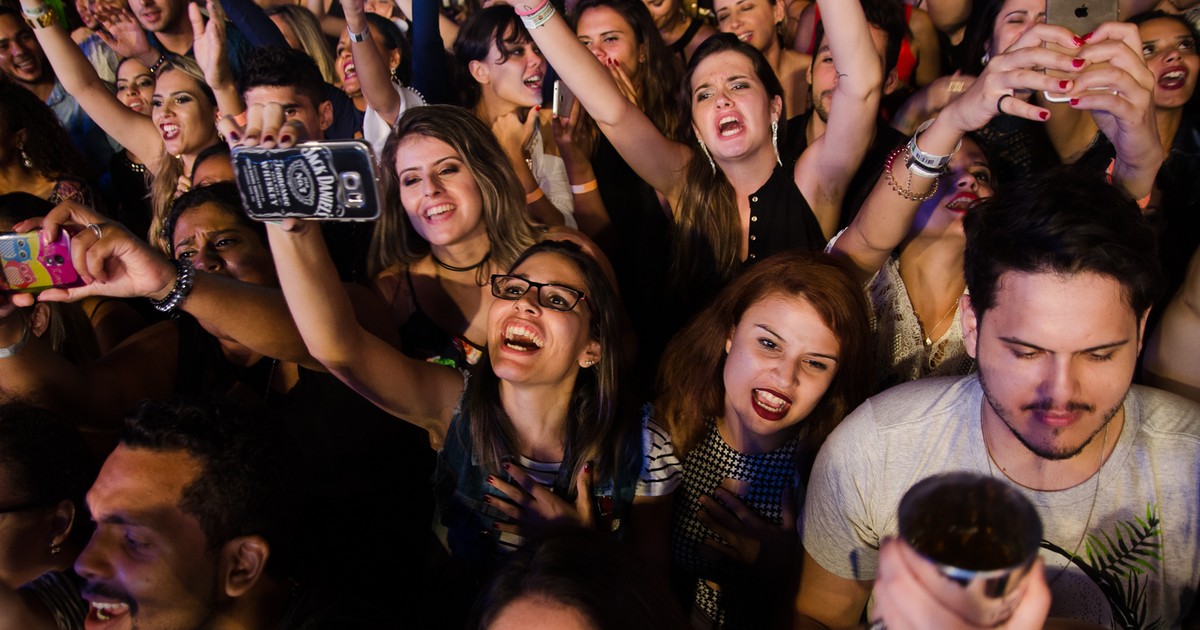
901,354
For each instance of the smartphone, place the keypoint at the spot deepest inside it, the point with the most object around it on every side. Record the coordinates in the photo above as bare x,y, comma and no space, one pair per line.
563,99
325,181
29,266
1080,17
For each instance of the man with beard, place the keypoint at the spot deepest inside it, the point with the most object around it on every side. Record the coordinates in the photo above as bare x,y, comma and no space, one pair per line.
194,516
1061,274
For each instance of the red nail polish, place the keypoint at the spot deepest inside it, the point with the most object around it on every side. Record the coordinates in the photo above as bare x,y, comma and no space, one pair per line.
1043,115
233,135
1062,85
491,480
587,467
506,466
1078,63
1088,36
487,499
284,139
1074,101
1079,41
268,138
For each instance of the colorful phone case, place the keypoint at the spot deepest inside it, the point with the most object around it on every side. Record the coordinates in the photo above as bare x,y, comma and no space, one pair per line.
30,267
331,181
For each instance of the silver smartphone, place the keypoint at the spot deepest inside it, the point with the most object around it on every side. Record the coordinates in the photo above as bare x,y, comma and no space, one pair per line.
1080,17
563,99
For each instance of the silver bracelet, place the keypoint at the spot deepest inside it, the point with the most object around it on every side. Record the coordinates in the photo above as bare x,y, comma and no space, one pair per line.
185,276
932,165
8,351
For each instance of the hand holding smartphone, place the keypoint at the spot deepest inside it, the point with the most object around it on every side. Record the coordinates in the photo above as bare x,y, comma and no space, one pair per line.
30,266
328,181
1080,17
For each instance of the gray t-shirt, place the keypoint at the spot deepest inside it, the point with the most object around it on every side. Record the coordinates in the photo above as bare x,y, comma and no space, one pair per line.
1147,500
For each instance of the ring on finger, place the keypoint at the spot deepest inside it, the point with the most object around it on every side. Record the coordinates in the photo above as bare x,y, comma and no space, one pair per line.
1000,103
98,228
956,86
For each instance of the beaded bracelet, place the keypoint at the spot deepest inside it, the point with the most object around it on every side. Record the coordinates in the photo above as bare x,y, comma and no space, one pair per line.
185,276
905,192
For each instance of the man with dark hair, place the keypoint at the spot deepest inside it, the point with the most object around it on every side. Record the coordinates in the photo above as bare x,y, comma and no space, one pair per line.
291,79
194,513
1061,274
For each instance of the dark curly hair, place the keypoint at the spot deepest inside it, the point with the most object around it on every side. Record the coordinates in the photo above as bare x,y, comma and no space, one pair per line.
47,144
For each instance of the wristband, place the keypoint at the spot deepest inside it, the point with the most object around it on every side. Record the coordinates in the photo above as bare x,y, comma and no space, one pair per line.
906,191
37,11
534,196
525,8
358,37
935,164
41,20
185,276
539,17
8,351
585,187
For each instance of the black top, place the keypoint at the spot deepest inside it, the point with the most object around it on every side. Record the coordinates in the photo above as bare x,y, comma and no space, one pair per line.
781,219
681,44
1017,148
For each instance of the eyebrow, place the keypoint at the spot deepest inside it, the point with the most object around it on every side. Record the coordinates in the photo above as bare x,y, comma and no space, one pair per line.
780,337
1026,344
192,239
177,93
435,163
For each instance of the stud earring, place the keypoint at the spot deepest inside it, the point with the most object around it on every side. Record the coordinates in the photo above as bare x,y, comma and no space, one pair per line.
775,140
55,550
704,148
589,363
25,158
985,58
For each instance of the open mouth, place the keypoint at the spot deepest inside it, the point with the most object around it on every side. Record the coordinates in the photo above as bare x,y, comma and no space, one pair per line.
150,16
746,37
1173,79
102,614
962,202
169,131
437,212
522,338
729,126
534,82
136,106
349,70
770,404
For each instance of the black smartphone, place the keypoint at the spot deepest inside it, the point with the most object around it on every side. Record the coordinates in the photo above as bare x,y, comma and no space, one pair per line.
325,181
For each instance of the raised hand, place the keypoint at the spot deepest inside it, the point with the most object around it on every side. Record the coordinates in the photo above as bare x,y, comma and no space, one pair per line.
124,35
747,538
266,127
514,133
209,44
533,506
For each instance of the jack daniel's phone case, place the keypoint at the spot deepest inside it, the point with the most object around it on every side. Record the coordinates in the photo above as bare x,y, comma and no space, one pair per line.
326,181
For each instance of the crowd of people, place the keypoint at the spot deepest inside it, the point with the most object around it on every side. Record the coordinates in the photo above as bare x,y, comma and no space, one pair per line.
666,306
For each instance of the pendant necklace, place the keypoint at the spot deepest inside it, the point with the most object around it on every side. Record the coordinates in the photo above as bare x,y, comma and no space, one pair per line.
928,340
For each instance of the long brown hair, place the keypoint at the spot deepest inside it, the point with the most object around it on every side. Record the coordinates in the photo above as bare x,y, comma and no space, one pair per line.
707,230
691,375
509,228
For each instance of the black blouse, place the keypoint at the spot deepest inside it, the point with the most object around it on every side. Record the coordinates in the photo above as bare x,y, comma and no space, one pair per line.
781,219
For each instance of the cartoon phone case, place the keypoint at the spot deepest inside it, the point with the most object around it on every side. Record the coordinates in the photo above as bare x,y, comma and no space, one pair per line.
330,181
30,267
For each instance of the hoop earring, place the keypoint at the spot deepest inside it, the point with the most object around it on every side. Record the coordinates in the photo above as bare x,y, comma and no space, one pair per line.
775,140
704,148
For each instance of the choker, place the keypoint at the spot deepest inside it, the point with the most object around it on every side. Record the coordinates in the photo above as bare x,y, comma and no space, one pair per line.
477,265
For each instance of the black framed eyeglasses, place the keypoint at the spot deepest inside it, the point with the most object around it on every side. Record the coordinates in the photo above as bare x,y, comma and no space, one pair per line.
555,297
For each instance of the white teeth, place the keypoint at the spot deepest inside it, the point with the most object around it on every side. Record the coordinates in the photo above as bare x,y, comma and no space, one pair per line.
519,337
745,36
770,401
438,210
1174,75
727,119
534,79
107,610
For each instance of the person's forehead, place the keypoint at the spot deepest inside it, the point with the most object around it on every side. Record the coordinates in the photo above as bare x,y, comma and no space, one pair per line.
11,26
286,94
1060,310
137,481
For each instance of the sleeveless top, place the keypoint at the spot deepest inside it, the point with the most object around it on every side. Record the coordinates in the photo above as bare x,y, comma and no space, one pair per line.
422,338
781,219
467,521
766,478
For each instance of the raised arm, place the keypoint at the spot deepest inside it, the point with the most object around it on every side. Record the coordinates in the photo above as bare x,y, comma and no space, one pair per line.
134,131
372,69
887,214
822,174
209,47
655,158
1173,349
431,72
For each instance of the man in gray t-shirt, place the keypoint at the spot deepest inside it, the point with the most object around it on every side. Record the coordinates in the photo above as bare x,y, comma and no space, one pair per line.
1061,274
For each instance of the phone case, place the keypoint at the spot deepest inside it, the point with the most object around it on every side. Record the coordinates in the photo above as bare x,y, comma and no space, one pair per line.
330,181
30,267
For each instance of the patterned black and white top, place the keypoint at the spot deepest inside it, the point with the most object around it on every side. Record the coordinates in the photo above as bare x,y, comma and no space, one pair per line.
59,593
761,481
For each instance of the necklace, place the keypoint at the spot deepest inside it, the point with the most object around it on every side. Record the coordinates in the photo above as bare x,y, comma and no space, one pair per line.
477,265
928,340
1091,510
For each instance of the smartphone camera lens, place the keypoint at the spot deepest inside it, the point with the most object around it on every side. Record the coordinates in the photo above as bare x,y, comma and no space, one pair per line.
351,181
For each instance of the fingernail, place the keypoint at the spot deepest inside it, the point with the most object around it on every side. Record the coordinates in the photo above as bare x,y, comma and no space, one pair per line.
1062,85
1079,41
233,135
1074,101
1077,62
285,138
587,467
491,479
1088,36
506,466
268,138
487,498
1043,115
617,62
496,526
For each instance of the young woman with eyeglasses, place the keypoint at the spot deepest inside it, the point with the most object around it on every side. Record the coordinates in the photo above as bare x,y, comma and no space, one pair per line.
534,435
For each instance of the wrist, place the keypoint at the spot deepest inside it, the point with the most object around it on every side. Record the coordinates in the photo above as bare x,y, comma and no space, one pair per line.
14,341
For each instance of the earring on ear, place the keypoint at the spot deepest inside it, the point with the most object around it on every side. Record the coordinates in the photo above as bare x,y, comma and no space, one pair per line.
25,158
708,155
589,363
55,550
395,79
985,58
775,140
